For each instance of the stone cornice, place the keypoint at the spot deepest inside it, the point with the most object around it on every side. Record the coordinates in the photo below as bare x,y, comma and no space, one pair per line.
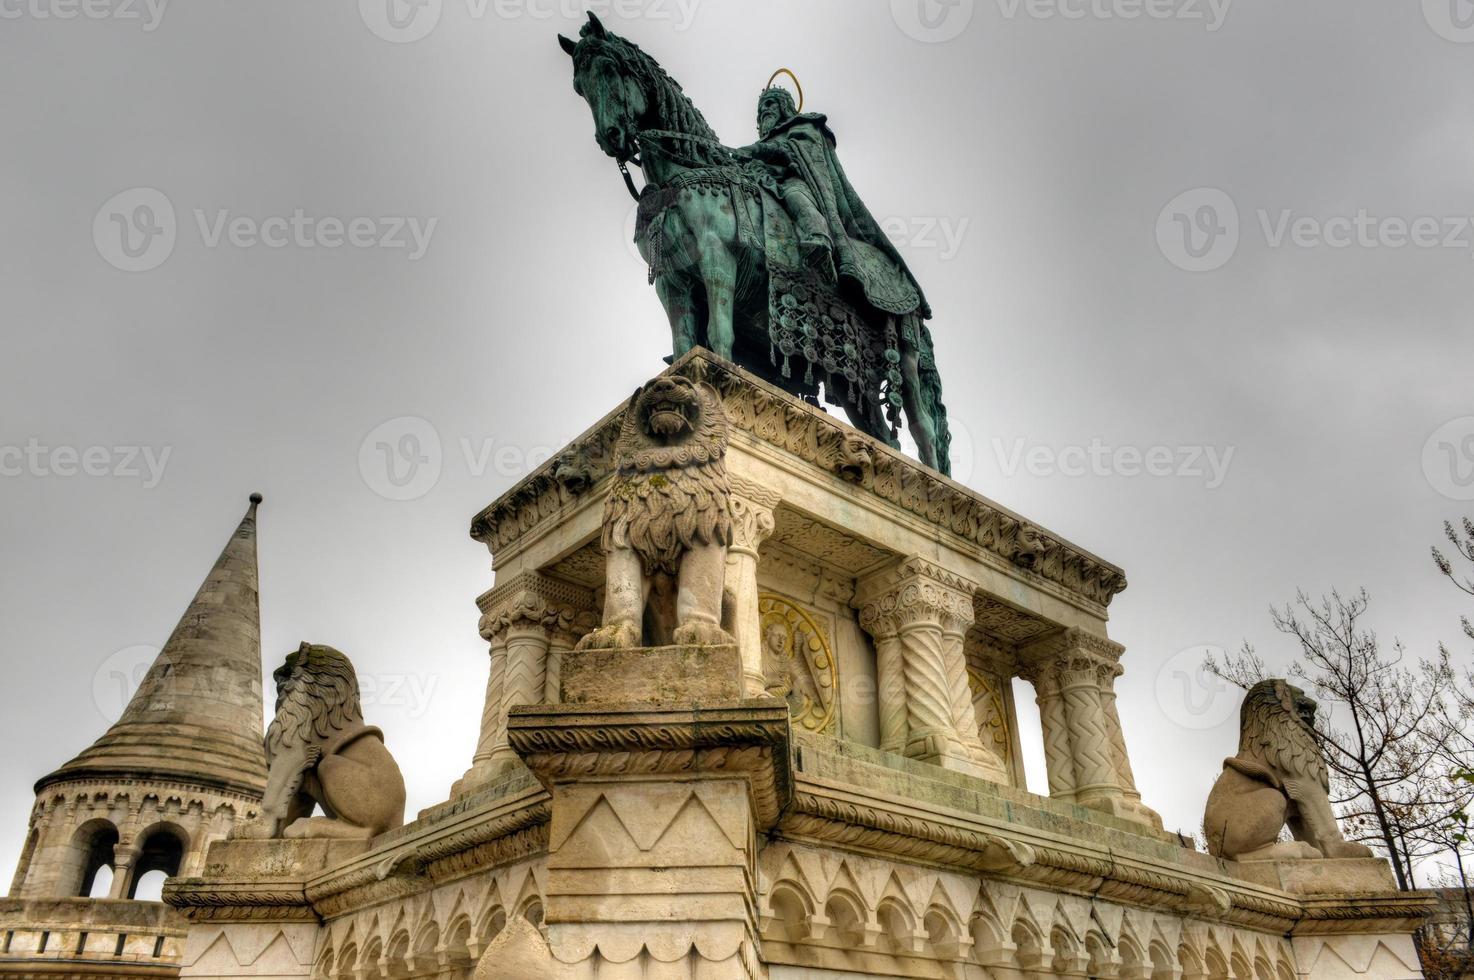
774,417
507,823
749,739
902,828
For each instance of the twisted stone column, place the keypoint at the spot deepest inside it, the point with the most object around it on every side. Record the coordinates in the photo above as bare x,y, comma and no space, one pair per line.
891,690
529,622
752,522
1090,744
917,614
1058,760
1073,673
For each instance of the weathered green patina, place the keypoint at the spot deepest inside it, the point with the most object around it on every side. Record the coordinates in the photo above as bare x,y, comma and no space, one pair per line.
764,253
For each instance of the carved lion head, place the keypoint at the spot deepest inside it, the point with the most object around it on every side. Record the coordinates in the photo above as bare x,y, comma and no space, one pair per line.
1277,726
673,422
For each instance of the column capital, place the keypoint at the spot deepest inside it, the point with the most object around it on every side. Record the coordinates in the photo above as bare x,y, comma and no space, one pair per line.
1072,651
914,591
534,601
752,514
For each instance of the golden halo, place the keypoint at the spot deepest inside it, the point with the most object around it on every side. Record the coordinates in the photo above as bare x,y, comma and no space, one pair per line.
790,74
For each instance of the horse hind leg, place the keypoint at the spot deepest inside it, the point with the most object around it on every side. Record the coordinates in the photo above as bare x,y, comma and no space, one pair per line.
918,414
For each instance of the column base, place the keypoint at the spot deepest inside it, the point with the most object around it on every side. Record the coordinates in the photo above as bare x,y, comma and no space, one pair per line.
947,752
1120,806
485,773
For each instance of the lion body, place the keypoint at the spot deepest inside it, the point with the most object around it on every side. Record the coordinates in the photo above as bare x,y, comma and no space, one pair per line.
320,753
1277,778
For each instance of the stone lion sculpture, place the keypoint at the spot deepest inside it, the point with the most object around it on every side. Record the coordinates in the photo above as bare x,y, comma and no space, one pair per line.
320,753
667,521
1277,778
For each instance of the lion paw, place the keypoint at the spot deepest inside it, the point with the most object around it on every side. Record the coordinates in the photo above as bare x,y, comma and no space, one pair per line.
615,636
698,633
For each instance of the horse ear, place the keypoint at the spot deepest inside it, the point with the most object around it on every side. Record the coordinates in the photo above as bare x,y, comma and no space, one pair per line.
566,44
595,26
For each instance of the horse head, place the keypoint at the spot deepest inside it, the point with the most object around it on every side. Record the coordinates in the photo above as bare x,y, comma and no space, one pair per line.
603,76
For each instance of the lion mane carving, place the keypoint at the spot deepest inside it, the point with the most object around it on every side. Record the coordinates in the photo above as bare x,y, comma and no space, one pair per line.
1278,778
667,520
320,753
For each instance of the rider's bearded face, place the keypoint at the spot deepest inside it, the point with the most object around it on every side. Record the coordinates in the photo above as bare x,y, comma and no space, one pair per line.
770,112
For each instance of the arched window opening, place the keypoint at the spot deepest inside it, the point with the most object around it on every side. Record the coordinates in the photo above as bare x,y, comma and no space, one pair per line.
160,857
102,884
93,852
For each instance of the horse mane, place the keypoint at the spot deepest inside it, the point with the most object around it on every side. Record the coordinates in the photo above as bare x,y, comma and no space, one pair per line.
676,110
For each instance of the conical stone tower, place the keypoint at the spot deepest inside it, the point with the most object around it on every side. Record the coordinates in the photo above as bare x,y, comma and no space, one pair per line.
181,766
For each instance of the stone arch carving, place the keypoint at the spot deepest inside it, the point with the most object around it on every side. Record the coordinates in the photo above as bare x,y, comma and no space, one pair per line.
790,911
847,916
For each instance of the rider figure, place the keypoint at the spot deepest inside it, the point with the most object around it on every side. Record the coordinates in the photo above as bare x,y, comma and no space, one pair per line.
779,123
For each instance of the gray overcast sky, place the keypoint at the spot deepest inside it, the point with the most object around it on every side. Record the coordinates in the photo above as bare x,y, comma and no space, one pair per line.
1025,159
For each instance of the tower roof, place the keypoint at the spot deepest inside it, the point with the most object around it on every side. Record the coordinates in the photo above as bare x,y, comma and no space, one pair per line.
196,718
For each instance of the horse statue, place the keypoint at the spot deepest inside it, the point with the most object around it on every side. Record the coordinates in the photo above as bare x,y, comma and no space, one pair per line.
764,254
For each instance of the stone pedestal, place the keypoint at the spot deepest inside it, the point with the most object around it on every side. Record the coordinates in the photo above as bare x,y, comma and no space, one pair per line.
656,812
250,916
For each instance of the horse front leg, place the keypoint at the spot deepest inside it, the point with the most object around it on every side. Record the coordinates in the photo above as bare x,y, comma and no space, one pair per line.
718,263
680,307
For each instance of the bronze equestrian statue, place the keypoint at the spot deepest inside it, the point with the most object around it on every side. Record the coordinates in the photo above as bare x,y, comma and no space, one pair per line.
765,254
